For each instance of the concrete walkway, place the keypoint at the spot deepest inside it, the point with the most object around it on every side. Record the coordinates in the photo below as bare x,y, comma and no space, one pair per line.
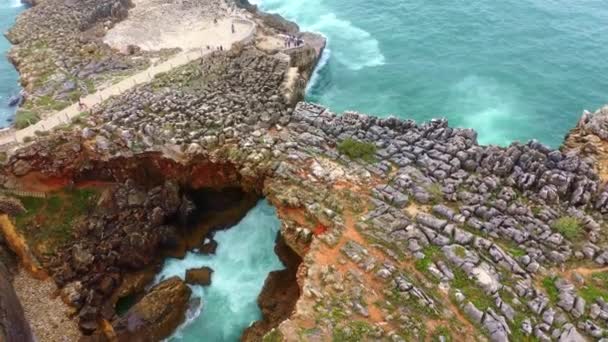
67,114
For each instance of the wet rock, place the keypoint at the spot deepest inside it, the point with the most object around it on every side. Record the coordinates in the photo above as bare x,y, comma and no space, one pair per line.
199,276
157,314
209,246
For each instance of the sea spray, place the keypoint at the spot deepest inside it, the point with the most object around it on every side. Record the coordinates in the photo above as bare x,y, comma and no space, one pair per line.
412,59
244,257
350,45
316,72
487,106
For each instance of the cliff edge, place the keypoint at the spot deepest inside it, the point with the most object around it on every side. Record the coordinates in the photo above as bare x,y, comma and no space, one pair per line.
406,231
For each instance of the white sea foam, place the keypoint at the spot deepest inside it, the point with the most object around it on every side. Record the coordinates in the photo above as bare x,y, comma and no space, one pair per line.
15,3
320,65
191,315
240,267
351,46
489,107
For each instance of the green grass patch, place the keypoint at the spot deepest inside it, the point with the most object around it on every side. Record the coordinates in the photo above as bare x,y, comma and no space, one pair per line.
47,223
517,333
460,251
90,85
595,287
516,251
551,289
79,119
441,331
470,290
24,118
389,245
513,248
356,149
48,102
436,193
412,303
273,336
570,227
431,254
353,332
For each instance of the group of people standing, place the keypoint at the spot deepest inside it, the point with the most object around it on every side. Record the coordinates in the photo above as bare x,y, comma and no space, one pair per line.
293,41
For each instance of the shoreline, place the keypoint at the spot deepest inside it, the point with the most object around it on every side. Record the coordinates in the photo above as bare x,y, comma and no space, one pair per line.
392,218
15,95
304,71
324,56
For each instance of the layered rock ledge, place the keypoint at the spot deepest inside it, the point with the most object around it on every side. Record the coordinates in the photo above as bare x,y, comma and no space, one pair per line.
406,231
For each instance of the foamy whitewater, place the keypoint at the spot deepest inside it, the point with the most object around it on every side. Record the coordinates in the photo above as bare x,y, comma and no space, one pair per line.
513,69
244,257
9,79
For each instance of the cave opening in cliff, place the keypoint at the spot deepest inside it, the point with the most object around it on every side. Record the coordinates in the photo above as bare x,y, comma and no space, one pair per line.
159,219
233,235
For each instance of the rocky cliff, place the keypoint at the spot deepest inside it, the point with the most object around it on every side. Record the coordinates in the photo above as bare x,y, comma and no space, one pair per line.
407,231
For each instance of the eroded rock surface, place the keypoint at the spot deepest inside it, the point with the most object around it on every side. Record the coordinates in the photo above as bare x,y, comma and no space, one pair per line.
404,229
157,314
199,276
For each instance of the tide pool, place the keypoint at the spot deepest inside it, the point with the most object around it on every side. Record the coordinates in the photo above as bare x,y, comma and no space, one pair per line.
244,257
513,69
9,79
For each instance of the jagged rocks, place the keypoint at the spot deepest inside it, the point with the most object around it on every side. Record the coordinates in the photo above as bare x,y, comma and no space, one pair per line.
11,206
464,214
570,334
157,314
209,246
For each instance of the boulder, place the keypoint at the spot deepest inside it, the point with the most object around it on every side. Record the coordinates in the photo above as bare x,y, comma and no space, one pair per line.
157,314
199,276
209,246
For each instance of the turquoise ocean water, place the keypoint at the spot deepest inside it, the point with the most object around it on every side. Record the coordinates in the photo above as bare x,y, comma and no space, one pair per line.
244,257
9,79
511,69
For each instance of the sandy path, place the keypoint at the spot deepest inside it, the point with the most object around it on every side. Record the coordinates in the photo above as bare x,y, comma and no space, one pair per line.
66,115
187,37
186,24
46,312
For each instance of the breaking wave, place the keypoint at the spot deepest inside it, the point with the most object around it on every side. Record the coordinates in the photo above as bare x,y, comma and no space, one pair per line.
351,46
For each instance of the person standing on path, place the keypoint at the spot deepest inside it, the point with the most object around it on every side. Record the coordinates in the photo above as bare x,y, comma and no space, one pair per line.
232,28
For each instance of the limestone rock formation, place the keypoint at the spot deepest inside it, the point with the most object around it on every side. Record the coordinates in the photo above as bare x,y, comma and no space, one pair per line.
279,294
403,229
157,314
10,206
